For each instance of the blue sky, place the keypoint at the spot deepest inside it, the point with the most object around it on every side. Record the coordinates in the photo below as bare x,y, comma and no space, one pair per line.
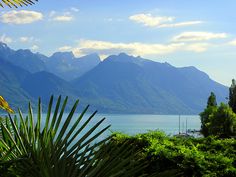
197,33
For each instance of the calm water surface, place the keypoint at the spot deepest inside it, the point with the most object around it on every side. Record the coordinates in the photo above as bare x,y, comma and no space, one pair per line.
133,124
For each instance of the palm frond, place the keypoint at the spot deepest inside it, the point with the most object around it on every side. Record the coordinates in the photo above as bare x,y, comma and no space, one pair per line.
4,105
61,146
16,3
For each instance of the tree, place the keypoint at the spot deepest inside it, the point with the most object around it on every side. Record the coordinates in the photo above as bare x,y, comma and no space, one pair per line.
212,100
232,96
206,119
16,3
222,122
205,115
218,121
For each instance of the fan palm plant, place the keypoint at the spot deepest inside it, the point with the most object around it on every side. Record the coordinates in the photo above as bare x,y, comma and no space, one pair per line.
16,3
5,106
60,148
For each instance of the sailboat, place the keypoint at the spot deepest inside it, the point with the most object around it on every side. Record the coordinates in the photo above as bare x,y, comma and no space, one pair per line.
183,134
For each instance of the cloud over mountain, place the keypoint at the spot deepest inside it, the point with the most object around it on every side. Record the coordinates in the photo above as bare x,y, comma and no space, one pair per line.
160,21
198,36
5,39
105,48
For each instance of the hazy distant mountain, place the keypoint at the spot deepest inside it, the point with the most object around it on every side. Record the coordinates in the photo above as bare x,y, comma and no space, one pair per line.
10,84
127,84
19,86
22,58
44,84
5,51
119,84
62,64
68,67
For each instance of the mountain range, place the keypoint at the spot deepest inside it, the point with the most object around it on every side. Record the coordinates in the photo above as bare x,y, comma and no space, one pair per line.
118,84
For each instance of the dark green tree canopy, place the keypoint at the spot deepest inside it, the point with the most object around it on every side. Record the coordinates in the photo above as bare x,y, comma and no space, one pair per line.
212,100
218,120
232,96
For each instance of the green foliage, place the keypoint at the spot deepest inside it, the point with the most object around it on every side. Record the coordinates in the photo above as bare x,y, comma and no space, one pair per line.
206,157
223,122
218,120
57,148
232,96
212,100
206,117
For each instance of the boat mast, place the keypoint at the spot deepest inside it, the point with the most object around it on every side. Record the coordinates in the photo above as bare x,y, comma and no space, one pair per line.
186,125
179,124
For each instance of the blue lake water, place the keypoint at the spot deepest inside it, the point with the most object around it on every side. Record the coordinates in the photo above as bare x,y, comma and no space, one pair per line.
133,124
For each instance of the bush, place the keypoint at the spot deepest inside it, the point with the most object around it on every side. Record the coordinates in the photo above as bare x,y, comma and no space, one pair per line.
185,156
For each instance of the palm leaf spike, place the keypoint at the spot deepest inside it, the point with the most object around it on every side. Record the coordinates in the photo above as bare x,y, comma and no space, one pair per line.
5,106
59,147
16,3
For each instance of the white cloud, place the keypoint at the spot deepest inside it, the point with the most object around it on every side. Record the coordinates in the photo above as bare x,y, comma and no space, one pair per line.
198,36
63,18
160,21
113,19
65,48
197,47
21,17
187,23
74,9
25,39
233,42
107,48
149,20
104,48
5,39
34,48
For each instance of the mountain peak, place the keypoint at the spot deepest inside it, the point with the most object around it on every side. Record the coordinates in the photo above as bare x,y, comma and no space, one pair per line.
24,51
4,46
63,55
92,56
122,57
123,54
125,58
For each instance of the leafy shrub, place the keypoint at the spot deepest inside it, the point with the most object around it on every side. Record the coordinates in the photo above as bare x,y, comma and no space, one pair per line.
186,156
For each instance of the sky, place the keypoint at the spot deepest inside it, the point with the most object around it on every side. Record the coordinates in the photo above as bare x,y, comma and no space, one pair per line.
183,33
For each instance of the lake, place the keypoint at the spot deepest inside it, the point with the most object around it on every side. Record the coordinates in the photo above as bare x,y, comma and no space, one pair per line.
133,124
